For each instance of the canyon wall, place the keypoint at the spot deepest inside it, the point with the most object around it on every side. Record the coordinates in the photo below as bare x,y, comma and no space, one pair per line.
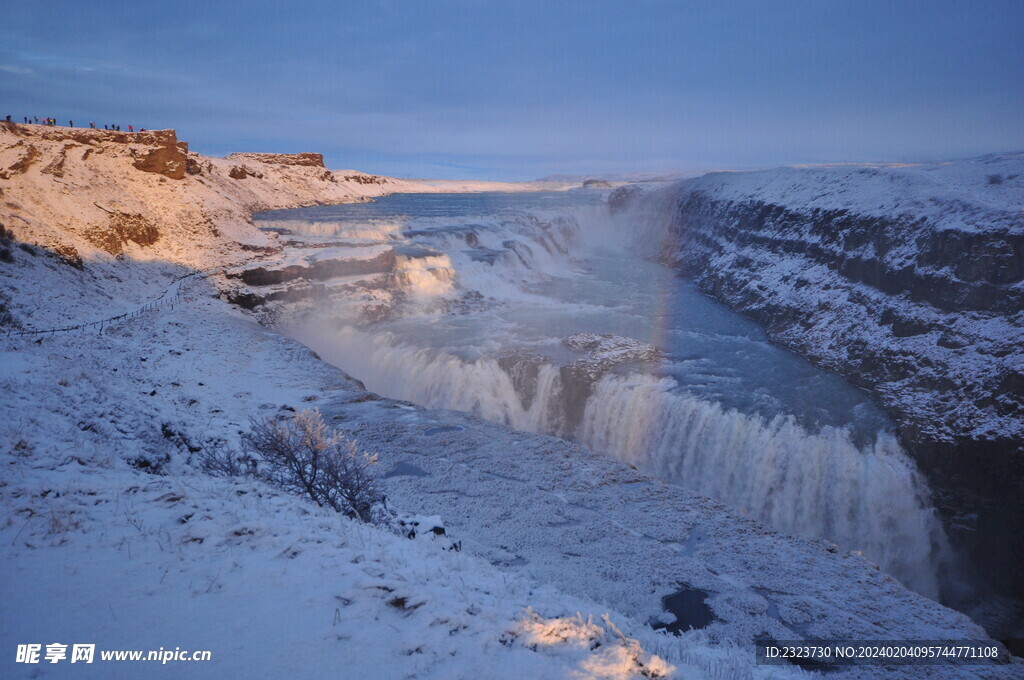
907,280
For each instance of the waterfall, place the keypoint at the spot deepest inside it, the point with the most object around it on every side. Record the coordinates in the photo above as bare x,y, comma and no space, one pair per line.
809,480
438,379
818,485
813,484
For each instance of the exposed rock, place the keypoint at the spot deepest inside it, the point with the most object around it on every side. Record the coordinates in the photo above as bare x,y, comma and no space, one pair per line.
302,291
243,171
122,228
306,159
6,245
361,178
69,255
195,165
523,367
601,352
26,156
56,166
598,353
316,270
157,151
161,153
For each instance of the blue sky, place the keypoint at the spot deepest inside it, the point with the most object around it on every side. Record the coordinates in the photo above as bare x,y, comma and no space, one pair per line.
521,89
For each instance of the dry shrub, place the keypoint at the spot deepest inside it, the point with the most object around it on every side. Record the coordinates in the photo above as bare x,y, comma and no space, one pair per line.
304,455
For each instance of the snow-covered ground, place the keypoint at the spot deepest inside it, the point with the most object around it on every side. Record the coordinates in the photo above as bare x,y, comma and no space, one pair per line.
964,194
114,536
98,548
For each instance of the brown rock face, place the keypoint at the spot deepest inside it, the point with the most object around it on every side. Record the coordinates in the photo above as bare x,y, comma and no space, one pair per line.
195,165
70,256
92,136
56,166
308,159
26,158
242,171
122,228
166,155
366,179
156,151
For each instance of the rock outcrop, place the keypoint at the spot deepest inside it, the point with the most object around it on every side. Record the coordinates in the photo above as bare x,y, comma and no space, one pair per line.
315,160
243,171
91,195
327,264
593,356
123,228
598,353
164,154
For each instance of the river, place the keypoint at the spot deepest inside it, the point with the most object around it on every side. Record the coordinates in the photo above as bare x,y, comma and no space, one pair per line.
671,381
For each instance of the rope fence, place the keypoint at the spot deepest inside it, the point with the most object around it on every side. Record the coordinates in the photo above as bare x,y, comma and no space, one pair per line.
170,296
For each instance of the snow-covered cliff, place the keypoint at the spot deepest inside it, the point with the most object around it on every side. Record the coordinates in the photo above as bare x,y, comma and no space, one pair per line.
92,195
908,280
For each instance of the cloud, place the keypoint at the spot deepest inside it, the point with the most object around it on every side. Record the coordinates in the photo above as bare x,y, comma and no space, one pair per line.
533,87
16,70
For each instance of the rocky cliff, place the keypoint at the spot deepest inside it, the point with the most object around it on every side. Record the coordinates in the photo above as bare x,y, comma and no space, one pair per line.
92,195
908,280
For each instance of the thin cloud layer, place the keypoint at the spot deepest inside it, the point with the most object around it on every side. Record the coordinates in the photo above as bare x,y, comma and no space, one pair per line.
519,90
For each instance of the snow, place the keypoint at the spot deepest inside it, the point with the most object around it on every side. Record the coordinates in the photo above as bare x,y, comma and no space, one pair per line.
272,587
594,531
112,535
95,550
956,194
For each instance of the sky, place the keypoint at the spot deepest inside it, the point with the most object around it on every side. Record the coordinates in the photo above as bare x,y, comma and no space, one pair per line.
522,89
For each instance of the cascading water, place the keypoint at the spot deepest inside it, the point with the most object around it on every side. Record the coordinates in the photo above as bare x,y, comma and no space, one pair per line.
811,484
720,410
814,484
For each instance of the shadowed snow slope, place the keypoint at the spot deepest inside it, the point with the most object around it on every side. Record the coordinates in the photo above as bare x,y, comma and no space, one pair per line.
95,547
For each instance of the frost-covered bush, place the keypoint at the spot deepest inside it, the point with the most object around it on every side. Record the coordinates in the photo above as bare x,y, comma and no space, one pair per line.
304,455
219,459
6,317
5,245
